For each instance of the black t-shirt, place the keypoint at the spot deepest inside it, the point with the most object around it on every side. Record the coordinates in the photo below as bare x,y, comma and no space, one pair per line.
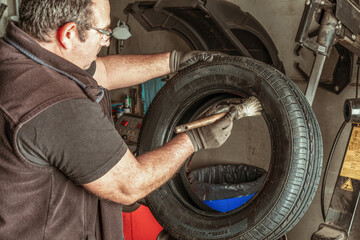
74,136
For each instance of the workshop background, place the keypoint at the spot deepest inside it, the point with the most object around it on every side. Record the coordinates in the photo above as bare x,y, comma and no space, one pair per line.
281,19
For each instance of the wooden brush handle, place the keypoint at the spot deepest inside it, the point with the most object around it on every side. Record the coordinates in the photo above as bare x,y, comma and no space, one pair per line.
199,123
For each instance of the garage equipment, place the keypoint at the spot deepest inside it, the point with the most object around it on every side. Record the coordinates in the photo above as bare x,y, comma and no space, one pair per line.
337,28
340,29
345,198
121,32
250,107
128,126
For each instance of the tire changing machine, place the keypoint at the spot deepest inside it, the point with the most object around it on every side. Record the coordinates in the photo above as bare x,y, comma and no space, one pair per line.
345,199
337,26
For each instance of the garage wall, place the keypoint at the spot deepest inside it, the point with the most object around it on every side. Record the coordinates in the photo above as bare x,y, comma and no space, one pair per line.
280,19
141,42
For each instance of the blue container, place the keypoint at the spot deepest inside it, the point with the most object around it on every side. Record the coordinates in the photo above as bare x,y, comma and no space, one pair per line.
226,205
226,187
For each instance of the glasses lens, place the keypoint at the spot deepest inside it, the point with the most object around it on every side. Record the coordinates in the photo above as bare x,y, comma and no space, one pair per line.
107,34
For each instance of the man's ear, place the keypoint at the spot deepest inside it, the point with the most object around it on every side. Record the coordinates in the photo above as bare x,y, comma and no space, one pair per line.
66,34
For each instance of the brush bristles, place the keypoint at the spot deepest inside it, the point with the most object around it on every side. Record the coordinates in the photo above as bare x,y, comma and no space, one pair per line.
250,107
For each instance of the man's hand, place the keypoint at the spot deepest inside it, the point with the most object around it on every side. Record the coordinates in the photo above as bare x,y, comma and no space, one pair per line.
181,60
213,135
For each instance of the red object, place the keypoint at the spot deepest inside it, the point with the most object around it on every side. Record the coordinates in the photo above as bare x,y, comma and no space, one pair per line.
140,225
125,123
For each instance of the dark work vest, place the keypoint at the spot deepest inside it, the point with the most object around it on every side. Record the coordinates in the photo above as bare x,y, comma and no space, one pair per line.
39,202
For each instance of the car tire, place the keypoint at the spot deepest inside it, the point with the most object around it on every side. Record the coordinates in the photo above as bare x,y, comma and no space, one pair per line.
296,150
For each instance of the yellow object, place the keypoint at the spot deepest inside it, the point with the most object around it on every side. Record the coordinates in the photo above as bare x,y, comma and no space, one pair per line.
351,165
348,186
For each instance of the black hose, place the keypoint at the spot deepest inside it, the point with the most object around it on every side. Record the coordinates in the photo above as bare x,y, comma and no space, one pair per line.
357,78
327,169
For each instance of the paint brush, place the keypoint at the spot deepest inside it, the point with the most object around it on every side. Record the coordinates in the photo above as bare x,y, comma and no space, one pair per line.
250,107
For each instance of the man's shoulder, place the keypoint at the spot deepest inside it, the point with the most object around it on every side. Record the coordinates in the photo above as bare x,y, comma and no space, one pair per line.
9,54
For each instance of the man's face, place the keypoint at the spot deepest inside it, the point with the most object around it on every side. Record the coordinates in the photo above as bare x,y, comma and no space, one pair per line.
85,52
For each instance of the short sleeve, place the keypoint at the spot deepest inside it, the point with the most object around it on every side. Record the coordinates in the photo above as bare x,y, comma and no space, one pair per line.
74,136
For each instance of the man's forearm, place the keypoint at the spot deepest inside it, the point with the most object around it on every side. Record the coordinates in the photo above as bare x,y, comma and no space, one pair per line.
161,164
119,71
132,179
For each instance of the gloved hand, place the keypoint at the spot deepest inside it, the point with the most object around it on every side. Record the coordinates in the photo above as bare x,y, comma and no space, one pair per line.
224,106
181,60
213,135
245,107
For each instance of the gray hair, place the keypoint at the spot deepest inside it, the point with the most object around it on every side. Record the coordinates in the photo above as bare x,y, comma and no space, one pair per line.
40,18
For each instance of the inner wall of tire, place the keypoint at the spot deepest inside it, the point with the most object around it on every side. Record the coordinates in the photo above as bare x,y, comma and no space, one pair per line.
185,185
185,93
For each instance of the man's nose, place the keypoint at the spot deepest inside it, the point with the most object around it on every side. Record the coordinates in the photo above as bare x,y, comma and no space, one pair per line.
105,43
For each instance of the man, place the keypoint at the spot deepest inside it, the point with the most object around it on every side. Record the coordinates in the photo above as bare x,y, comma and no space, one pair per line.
64,170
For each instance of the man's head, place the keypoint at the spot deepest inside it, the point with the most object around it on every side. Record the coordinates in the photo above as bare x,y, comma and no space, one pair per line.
45,17
71,29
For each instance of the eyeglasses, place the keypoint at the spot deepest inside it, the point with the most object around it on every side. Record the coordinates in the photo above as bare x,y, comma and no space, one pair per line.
105,34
